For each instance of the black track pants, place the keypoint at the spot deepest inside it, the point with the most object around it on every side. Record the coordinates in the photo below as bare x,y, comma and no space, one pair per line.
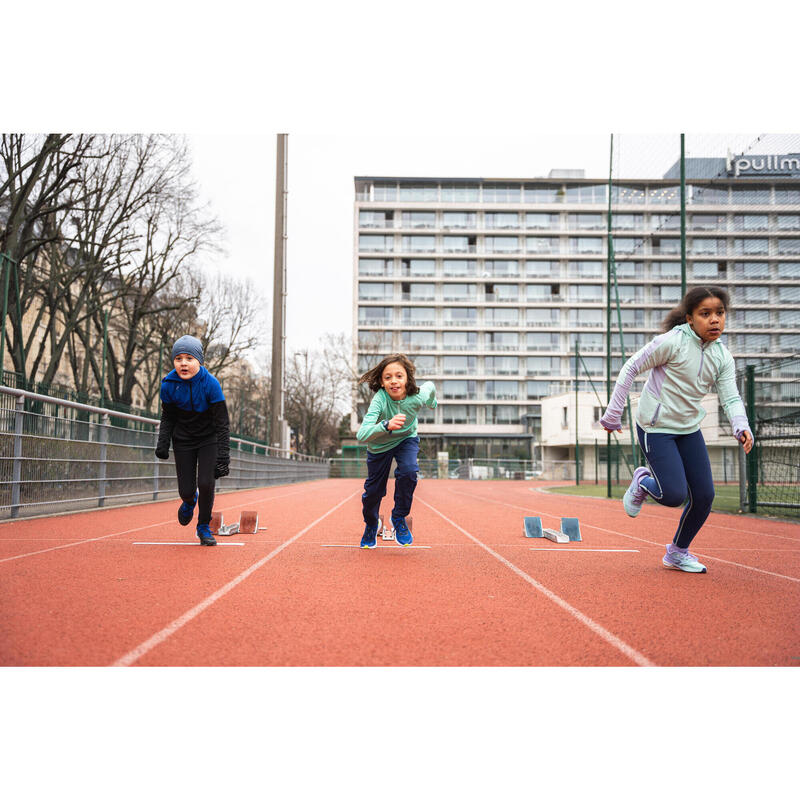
195,470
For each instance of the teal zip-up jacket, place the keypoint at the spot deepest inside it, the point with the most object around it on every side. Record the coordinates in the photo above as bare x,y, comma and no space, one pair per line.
383,408
684,369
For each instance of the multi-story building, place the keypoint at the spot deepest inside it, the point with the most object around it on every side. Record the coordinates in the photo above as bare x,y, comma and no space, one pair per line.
487,284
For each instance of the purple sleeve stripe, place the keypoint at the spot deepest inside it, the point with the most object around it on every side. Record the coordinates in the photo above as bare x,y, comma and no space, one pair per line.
630,370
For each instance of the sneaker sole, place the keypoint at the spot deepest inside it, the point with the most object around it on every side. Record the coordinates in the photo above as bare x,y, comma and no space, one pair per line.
369,546
206,543
670,565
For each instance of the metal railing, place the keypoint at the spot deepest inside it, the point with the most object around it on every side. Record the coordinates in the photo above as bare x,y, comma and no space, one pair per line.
58,455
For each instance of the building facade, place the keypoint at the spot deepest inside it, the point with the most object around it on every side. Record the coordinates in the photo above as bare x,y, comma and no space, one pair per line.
487,284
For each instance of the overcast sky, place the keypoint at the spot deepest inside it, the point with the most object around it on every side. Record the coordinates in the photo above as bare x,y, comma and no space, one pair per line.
236,174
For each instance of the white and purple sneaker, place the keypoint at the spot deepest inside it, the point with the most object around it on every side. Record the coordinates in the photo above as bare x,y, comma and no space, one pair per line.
682,560
633,499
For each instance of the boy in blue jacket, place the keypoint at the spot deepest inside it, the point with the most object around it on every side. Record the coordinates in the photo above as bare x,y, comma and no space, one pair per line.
194,417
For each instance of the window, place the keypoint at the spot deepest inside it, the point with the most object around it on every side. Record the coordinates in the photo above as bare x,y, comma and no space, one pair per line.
789,319
751,269
564,416
418,340
788,247
788,294
458,219
419,219
369,243
708,195
542,244
631,222
501,269
375,341
459,340
418,267
419,244
664,194
541,341
786,197
538,389
503,415
704,246
586,244
666,294
754,343
459,365
426,365
543,365
789,269
631,318
541,221
542,292
585,269
375,266
375,219
666,269
627,194
458,269
421,292
501,219
750,222
459,291
751,195
585,293
458,244
462,317
666,247
629,293
385,191
418,192
756,294
502,193
706,222
453,414
751,246
586,194
506,292
542,269
788,222
588,222
458,390
501,340
586,317
754,319
541,317
375,291
665,222
587,342
460,193
501,365
412,315
375,315
543,194
501,244
705,270
502,390
626,245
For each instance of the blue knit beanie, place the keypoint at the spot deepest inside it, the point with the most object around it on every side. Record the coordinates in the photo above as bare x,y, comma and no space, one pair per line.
189,345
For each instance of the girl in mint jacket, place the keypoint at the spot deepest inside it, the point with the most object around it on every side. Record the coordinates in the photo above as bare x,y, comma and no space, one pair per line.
687,362
389,429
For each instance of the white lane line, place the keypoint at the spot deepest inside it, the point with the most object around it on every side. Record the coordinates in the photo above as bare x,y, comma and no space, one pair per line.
382,547
581,550
196,544
586,525
174,626
595,627
120,533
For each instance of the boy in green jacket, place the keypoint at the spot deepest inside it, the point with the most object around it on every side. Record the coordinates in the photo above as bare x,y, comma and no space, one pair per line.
390,430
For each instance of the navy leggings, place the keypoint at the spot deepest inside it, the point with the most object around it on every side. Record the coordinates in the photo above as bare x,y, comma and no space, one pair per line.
195,471
405,480
681,472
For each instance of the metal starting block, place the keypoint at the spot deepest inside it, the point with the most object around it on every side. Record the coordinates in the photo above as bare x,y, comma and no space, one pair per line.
248,523
570,530
387,534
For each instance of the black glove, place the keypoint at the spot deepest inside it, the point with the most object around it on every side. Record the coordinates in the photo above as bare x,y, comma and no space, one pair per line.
162,452
221,469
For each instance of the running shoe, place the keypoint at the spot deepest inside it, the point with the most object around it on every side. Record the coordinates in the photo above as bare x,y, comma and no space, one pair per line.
633,499
370,538
686,562
205,536
186,511
401,532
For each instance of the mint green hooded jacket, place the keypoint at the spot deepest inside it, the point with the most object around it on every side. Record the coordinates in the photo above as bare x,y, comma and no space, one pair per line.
382,408
684,369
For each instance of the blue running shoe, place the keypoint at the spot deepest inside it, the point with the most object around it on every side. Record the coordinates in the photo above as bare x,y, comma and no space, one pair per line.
686,562
205,536
370,538
401,532
633,499
186,511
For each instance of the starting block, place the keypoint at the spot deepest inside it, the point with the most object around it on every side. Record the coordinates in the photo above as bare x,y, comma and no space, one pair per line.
387,534
570,530
248,523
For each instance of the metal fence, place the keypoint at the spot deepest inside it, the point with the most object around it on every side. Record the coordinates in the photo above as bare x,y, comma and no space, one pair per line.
455,468
58,455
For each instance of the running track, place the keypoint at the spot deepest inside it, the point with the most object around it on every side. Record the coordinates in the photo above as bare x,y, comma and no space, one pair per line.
118,587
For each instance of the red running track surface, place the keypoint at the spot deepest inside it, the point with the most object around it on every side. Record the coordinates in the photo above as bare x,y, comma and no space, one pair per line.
117,587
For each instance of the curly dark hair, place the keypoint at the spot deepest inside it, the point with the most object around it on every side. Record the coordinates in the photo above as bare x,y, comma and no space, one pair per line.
690,301
373,377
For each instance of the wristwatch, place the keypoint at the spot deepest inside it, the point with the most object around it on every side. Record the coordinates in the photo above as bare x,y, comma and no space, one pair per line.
385,425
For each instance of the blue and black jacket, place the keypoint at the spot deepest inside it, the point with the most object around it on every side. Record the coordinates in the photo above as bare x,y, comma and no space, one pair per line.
194,414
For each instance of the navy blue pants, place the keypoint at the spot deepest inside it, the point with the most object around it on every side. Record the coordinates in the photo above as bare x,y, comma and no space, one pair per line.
195,471
681,473
405,480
